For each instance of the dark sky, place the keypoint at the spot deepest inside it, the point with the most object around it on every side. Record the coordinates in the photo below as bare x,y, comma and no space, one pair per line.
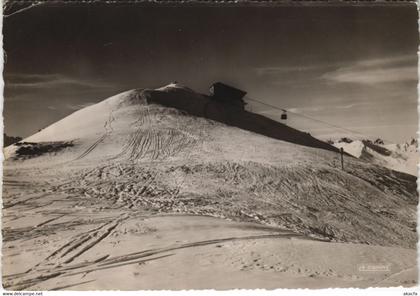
354,66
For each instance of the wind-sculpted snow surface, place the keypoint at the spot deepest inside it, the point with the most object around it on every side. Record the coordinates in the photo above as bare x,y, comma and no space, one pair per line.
141,154
137,155
320,201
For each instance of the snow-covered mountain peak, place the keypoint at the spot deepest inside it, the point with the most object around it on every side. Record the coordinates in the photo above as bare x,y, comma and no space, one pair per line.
401,157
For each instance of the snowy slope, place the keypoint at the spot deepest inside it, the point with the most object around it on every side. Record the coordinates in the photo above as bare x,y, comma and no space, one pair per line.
150,149
164,189
122,114
354,148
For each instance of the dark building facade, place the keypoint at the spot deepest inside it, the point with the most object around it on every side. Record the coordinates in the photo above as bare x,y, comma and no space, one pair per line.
227,94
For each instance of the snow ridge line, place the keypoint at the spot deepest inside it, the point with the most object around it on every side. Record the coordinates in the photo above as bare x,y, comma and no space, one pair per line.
157,143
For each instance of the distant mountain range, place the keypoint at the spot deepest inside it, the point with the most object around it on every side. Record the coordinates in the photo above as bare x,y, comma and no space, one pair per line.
402,157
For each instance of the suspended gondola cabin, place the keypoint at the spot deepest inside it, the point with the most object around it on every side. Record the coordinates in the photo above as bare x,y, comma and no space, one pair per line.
228,95
284,115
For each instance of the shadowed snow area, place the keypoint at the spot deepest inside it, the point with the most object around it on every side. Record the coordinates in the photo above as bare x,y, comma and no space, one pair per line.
97,193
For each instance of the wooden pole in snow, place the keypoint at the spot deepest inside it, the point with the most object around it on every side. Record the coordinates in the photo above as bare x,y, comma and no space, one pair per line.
342,158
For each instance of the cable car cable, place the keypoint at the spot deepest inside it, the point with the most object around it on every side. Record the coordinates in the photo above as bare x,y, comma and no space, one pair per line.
314,119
